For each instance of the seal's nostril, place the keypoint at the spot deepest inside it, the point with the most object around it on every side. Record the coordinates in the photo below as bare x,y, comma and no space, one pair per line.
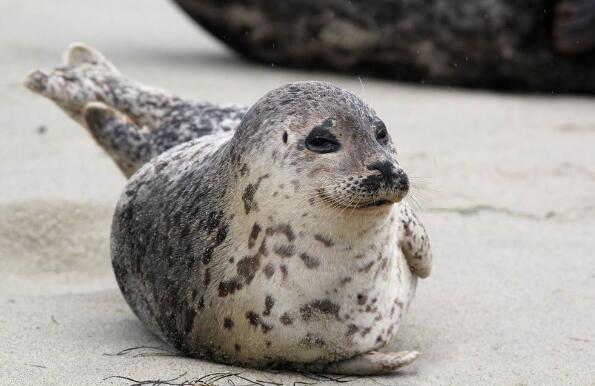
402,180
384,167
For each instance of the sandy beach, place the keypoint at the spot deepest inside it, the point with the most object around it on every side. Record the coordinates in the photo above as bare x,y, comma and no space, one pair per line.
505,184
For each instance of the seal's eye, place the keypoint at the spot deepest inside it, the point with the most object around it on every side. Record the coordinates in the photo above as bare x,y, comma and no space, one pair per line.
321,145
381,134
321,140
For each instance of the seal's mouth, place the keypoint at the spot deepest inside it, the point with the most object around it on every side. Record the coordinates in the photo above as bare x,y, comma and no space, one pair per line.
376,203
355,202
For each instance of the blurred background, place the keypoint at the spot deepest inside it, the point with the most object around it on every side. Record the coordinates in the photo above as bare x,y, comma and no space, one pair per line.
501,148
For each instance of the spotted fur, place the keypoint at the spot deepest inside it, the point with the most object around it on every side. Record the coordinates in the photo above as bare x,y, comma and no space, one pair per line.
247,247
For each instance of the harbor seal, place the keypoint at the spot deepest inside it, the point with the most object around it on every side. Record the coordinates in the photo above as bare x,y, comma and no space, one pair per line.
281,242
539,45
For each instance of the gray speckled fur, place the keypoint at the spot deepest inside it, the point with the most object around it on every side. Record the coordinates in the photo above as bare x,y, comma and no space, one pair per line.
247,248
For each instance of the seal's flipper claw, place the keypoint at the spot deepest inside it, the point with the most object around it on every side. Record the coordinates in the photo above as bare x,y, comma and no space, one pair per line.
574,27
126,143
79,53
371,363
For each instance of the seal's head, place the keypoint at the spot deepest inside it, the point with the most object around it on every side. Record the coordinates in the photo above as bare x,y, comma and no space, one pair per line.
329,143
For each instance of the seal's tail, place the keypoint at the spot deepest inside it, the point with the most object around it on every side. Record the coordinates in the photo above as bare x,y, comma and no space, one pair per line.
119,112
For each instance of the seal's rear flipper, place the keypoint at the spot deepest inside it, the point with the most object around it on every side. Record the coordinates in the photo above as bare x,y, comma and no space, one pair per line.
80,53
574,27
116,109
87,76
127,144
371,363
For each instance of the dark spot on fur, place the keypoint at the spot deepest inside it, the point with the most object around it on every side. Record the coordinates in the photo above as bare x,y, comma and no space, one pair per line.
351,330
253,235
228,323
285,137
366,268
248,198
247,267
284,250
366,331
309,261
324,240
237,347
323,307
219,239
311,340
245,169
221,235
253,318
248,195
286,319
284,271
269,270
265,327
346,280
190,315
229,287
207,277
269,302
283,229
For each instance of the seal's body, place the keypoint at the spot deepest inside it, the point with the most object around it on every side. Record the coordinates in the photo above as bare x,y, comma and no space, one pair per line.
545,45
281,243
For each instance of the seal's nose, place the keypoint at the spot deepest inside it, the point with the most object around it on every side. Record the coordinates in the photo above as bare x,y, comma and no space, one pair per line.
386,168
402,181
397,177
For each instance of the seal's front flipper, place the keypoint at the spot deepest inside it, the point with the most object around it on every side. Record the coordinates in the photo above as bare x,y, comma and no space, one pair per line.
127,144
371,363
415,242
574,26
